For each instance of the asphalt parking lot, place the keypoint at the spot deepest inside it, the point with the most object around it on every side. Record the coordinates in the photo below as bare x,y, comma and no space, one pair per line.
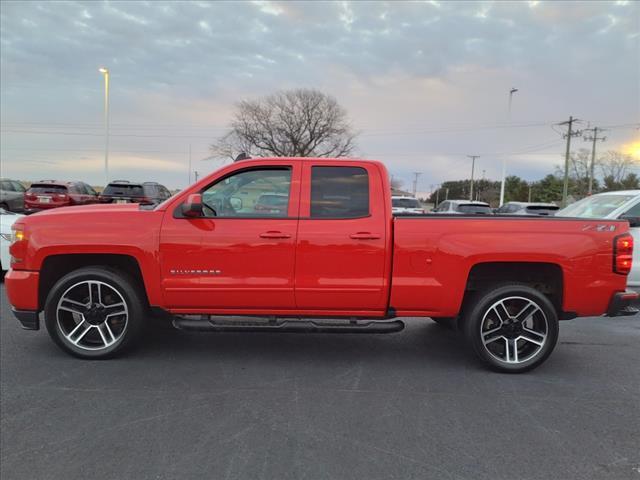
415,404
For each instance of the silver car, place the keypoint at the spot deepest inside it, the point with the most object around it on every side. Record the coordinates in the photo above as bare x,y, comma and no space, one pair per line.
527,208
11,195
463,207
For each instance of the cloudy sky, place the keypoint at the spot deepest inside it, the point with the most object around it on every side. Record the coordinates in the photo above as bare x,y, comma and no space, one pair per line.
425,83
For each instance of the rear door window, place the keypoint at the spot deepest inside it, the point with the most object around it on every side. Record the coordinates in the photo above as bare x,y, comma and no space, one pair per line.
124,190
339,192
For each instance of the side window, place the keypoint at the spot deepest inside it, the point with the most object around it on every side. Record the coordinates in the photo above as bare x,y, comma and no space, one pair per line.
6,186
89,189
249,193
18,187
339,192
633,211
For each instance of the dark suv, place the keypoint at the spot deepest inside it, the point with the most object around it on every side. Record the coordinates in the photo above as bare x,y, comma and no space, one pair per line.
47,194
146,193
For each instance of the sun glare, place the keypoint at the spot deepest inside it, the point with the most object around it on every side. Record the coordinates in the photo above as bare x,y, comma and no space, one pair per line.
632,148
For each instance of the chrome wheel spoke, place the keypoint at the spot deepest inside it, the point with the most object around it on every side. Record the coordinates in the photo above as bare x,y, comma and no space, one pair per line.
72,306
511,350
528,310
532,336
115,309
501,311
492,335
79,332
106,334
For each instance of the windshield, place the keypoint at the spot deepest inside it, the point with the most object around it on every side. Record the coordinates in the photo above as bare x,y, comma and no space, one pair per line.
599,206
405,203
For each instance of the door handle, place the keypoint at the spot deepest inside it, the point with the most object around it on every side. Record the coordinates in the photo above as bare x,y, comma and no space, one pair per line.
364,236
274,234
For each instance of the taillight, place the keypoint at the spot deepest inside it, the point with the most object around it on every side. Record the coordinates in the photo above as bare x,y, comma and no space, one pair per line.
622,254
60,196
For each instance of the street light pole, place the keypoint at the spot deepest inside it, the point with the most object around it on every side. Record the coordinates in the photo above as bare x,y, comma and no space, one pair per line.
473,167
105,72
504,159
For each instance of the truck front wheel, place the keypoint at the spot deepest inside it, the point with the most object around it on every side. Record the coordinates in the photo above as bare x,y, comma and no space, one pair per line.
94,312
512,328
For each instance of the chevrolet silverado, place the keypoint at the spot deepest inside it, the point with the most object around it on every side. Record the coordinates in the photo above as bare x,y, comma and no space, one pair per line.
329,256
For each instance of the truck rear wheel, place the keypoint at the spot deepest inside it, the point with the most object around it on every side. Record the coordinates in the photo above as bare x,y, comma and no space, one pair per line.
94,312
512,328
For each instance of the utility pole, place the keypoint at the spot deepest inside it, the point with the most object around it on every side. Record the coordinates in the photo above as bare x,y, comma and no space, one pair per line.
415,182
473,167
530,187
446,194
593,138
196,174
570,133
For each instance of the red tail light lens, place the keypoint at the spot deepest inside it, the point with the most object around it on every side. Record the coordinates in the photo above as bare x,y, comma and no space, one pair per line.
622,254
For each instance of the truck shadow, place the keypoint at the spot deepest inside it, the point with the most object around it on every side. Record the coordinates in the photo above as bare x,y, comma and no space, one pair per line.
421,341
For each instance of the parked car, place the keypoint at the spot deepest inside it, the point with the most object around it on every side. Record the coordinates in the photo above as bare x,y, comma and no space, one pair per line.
463,207
337,252
48,194
527,208
403,204
123,191
7,219
11,195
273,203
624,205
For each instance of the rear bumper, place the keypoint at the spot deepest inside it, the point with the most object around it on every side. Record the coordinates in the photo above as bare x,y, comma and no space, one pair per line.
621,304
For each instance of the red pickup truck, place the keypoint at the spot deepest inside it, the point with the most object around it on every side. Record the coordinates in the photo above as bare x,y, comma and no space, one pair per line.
327,256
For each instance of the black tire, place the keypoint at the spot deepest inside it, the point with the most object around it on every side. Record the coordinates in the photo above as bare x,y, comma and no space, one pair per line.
130,323
497,349
448,323
5,207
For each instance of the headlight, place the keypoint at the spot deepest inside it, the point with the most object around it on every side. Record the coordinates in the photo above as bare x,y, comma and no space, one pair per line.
6,236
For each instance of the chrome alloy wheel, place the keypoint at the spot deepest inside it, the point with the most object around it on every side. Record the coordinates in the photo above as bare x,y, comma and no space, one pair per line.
514,330
92,315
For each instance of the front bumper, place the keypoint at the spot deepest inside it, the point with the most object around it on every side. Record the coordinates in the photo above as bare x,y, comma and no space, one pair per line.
22,289
621,304
29,320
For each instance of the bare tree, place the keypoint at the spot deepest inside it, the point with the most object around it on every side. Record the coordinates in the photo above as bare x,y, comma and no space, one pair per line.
294,123
615,165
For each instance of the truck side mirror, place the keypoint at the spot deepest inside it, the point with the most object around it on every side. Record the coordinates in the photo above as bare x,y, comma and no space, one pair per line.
192,208
633,221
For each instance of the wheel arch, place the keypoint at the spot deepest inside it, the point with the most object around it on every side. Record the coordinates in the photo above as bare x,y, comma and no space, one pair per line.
54,267
546,277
